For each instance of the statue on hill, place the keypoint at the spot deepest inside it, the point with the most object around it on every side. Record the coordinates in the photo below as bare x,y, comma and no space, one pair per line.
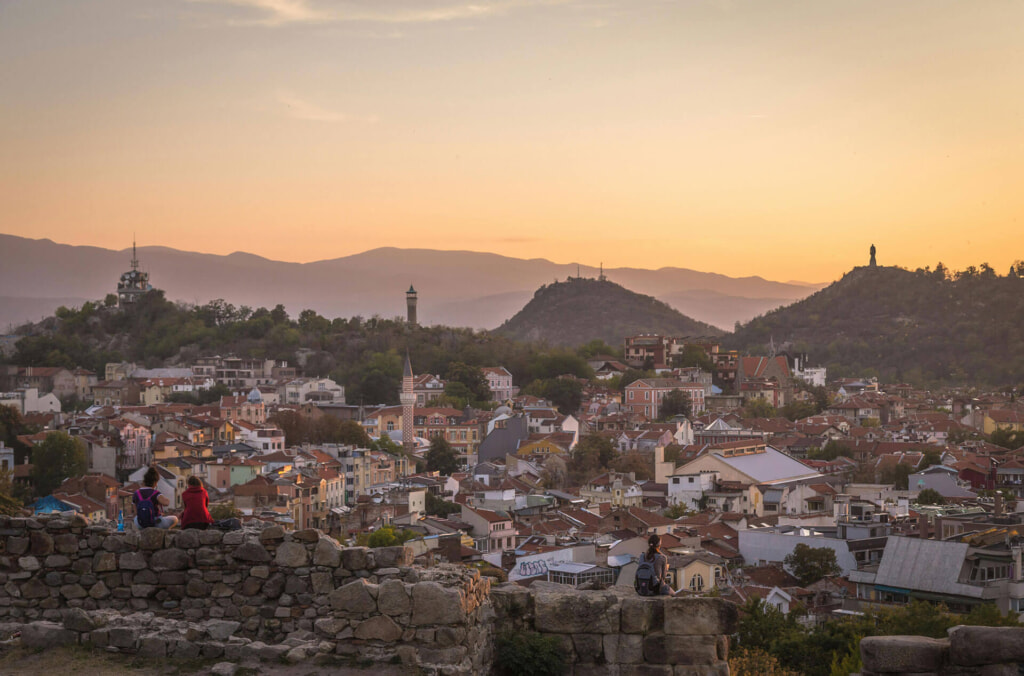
873,263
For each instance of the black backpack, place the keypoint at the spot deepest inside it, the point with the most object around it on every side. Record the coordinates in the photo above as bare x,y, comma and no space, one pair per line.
145,508
646,581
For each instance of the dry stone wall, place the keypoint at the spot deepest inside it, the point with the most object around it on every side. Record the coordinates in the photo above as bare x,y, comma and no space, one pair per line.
267,594
617,633
967,651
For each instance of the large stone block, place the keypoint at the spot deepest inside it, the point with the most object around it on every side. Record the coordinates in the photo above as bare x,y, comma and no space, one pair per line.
645,670
355,597
104,562
589,647
393,599
187,539
132,561
327,553
152,538
577,612
169,559
674,649
40,543
291,555
272,534
251,552
970,646
433,603
78,620
700,616
355,558
393,557
378,628
894,654
221,630
46,635
66,543
642,614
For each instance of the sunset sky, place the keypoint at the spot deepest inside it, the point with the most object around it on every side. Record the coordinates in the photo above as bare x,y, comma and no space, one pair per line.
761,137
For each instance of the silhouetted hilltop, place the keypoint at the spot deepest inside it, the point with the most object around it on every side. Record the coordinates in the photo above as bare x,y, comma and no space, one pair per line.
580,310
919,326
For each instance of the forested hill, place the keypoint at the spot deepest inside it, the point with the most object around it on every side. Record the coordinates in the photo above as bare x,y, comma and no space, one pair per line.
925,326
581,310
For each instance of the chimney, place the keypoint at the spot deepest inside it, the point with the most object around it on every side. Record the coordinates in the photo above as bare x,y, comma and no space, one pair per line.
922,526
999,504
938,528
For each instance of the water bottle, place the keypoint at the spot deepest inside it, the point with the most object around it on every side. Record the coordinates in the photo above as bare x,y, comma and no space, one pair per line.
120,521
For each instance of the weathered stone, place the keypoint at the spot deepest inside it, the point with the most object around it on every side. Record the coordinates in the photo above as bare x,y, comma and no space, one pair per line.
378,628
902,653
329,626
251,552
642,614
662,648
187,539
79,621
57,561
393,557
442,656
40,543
271,534
17,546
224,669
274,585
169,559
152,646
46,635
104,562
262,572
186,650
433,603
35,589
291,555
170,578
132,561
143,591
624,648
152,538
29,563
700,616
123,637
306,535
73,591
392,598
208,556
576,612
971,646
355,558
354,597
327,553
99,591
66,543
221,630
323,583
589,647
197,588
210,537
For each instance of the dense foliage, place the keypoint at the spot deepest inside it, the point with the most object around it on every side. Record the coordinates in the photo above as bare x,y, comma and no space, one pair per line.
833,648
810,564
923,327
580,310
524,653
58,457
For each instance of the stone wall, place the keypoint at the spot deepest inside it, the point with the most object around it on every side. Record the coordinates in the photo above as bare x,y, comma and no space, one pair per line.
266,594
617,633
968,651
300,596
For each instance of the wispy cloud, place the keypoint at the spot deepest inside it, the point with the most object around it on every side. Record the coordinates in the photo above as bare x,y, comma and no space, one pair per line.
285,12
302,109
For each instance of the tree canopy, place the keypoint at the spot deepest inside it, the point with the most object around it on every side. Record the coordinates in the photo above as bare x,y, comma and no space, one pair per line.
442,457
810,564
57,458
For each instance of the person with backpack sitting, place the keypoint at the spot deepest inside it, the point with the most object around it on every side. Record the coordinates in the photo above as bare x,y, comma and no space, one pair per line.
197,503
149,504
652,571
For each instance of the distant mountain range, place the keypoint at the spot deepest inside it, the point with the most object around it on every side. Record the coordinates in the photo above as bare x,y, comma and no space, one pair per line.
577,311
456,288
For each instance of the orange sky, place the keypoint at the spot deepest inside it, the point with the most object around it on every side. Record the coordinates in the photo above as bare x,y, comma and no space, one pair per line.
743,137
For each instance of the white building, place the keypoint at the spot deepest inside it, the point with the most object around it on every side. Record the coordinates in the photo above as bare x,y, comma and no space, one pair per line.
28,400
499,381
688,488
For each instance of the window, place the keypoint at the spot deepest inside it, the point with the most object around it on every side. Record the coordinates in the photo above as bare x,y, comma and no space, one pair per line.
697,582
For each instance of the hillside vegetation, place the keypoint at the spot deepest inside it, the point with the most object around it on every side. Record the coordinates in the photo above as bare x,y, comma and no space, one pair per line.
581,310
923,326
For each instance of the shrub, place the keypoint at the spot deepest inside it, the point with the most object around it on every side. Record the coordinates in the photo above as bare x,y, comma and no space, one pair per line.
528,654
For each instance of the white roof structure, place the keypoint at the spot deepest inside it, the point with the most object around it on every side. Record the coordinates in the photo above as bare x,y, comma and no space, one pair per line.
772,466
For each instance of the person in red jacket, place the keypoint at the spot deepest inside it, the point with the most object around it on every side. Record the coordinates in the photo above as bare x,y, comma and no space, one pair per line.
197,502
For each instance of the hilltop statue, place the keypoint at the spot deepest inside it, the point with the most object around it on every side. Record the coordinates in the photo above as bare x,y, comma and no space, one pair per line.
873,263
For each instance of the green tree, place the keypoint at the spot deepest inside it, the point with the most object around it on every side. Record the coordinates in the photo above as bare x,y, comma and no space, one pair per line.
224,510
676,402
694,355
386,536
810,564
830,451
758,408
442,457
565,393
57,458
110,300
440,507
677,510
474,384
592,455
930,496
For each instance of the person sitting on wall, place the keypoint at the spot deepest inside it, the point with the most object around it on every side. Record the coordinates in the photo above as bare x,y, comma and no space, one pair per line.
149,504
197,503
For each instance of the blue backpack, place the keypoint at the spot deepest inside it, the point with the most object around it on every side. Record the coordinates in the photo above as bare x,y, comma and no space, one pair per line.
146,511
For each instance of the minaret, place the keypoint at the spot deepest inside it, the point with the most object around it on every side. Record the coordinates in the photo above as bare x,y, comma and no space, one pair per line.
872,263
408,399
410,304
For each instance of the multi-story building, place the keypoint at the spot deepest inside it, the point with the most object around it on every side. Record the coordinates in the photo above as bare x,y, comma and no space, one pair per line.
644,396
499,382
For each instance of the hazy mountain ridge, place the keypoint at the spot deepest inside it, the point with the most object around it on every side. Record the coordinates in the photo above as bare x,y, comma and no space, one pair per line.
577,311
457,288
